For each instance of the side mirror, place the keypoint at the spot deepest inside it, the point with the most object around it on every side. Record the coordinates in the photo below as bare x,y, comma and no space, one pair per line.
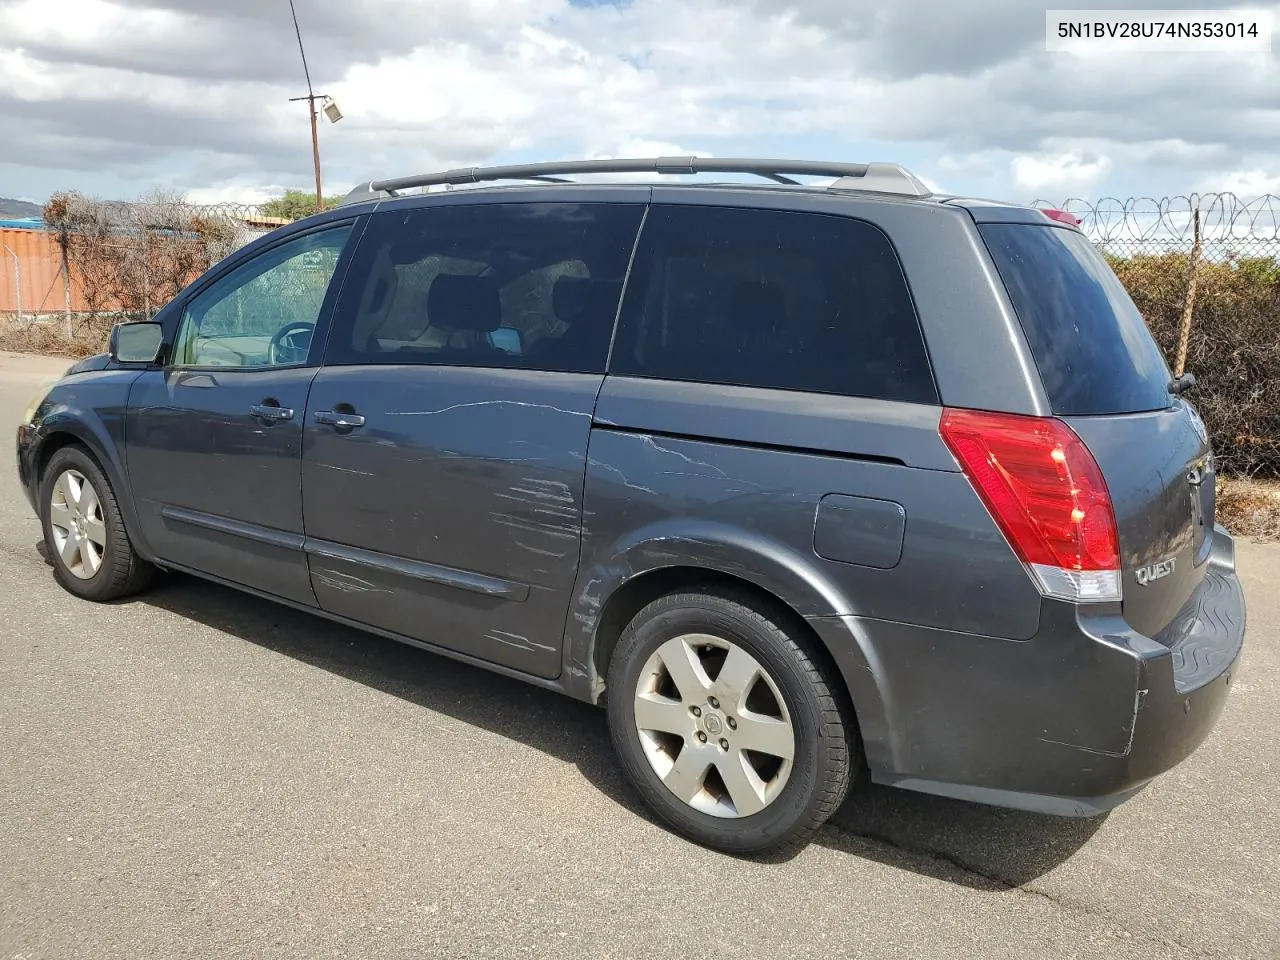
135,342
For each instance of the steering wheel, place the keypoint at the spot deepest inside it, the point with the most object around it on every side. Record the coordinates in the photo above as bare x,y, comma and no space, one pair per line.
281,352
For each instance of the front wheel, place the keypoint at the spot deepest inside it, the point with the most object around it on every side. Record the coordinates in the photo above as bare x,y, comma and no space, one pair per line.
726,723
84,531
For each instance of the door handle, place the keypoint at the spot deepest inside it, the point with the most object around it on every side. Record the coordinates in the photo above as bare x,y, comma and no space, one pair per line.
342,421
271,412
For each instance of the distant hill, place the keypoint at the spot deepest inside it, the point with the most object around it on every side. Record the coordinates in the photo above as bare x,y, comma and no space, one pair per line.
19,209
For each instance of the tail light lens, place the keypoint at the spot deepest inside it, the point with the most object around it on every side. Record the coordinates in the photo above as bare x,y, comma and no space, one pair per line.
1061,216
1045,491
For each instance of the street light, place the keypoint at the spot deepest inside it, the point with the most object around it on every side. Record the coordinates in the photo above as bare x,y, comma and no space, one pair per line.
331,111
333,115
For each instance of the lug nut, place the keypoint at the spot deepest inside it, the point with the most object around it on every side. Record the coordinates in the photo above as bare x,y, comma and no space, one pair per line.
724,744
715,704
702,737
733,724
697,711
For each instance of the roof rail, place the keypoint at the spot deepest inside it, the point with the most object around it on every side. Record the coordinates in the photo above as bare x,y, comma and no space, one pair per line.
875,177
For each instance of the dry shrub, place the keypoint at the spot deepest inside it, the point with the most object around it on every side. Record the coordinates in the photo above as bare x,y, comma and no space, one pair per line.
1234,350
132,258
1249,508
50,337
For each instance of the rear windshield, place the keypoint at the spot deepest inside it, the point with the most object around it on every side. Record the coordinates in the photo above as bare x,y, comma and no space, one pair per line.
1092,347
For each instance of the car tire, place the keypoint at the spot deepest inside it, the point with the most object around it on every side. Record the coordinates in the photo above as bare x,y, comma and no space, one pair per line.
728,725
84,532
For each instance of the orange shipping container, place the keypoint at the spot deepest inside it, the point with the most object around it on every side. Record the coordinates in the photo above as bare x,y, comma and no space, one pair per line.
32,259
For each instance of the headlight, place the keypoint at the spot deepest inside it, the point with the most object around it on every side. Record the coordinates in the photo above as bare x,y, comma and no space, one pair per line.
35,402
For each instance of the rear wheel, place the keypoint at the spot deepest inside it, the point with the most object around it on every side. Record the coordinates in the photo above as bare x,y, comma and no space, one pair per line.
726,724
84,531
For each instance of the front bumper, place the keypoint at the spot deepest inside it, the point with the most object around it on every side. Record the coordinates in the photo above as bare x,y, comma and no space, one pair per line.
1072,722
27,477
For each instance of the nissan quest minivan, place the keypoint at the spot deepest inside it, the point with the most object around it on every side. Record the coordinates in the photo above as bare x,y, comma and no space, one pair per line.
805,481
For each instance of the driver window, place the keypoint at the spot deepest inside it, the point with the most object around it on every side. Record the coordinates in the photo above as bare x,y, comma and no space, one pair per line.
263,313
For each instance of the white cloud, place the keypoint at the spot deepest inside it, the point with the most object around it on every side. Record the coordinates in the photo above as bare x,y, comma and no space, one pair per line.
193,94
1245,184
234,191
1059,175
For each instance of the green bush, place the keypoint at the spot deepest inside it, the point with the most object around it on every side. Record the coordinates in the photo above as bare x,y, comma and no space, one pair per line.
1234,349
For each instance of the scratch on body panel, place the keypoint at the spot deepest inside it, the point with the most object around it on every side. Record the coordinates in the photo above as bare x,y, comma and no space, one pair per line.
627,483
1139,697
516,640
347,582
553,554
330,466
487,403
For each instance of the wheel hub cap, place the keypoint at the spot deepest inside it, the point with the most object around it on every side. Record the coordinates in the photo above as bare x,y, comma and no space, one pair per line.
77,523
713,726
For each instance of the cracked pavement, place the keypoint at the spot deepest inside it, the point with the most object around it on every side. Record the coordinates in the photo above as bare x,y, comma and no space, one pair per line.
200,773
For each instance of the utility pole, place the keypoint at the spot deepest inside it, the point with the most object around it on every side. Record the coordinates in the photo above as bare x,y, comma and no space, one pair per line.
311,108
311,99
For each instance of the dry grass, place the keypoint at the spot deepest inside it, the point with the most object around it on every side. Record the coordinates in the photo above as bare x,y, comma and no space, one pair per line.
1250,508
49,337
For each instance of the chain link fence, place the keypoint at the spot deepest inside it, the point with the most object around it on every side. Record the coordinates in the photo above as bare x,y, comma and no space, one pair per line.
129,259
92,257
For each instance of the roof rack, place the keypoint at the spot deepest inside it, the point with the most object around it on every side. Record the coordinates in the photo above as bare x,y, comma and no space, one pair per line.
874,177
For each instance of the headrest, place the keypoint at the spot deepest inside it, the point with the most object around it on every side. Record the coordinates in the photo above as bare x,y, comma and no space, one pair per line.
757,307
457,302
585,298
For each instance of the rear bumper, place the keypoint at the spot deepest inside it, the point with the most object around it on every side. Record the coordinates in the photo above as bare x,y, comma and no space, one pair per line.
1072,722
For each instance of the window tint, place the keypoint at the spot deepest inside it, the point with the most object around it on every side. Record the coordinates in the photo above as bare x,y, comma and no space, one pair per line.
262,313
761,298
527,285
1093,350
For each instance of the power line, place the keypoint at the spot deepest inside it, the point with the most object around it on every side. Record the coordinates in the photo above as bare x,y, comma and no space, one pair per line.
311,109
302,51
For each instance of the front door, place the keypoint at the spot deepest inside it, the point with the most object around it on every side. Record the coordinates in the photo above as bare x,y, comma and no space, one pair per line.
446,436
214,440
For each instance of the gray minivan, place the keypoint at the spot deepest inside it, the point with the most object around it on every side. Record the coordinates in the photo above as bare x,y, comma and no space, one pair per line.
806,481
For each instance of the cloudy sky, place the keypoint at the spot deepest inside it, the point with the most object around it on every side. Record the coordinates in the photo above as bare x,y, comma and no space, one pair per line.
116,97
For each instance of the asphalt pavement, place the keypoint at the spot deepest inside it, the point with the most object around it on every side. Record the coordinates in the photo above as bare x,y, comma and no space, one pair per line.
198,773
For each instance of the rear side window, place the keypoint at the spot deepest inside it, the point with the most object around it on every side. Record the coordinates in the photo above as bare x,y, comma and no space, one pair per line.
532,286
1093,350
764,298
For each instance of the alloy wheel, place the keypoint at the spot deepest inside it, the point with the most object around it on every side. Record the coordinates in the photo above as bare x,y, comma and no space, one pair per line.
714,726
79,530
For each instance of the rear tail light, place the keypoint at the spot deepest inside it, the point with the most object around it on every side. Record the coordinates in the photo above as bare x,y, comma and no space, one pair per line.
1045,492
1062,216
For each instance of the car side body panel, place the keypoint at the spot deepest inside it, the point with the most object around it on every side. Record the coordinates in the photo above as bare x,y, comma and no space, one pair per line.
462,496
216,488
656,499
